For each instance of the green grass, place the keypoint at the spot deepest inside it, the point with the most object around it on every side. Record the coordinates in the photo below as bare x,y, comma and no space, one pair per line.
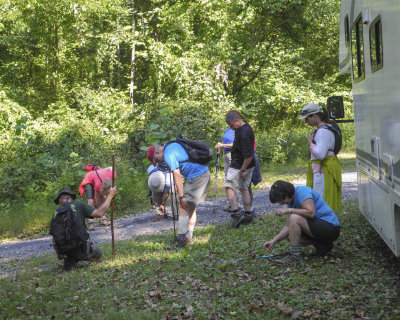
360,279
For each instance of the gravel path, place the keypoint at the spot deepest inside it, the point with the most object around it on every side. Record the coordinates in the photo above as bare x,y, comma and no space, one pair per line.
141,223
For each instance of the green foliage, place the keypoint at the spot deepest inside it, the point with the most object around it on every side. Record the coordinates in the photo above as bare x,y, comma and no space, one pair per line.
82,80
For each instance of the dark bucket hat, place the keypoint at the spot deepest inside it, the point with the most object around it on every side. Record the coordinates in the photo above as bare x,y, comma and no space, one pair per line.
65,190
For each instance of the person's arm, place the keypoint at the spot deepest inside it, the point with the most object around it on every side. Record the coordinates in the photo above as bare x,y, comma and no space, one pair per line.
221,145
245,164
163,201
323,140
100,212
307,210
179,188
282,235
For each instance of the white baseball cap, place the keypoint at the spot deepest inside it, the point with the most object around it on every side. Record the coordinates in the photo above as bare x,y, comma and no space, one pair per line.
156,181
310,109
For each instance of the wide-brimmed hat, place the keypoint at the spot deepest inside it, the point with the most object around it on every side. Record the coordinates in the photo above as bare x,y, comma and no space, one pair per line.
310,109
65,190
156,181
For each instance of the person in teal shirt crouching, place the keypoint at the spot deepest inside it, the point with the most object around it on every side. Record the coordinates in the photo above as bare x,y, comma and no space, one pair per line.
309,221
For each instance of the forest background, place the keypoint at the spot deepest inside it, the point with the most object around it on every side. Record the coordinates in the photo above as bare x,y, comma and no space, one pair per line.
81,80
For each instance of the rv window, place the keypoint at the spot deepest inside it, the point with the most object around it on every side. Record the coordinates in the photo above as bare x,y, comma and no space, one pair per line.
375,41
357,49
346,30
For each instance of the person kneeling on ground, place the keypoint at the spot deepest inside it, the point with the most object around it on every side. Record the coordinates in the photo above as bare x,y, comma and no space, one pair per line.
309,220
81,210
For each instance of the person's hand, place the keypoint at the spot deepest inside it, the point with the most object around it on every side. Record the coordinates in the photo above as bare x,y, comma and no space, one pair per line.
218,146
184,204
281,212
162,208
268,245
113,191
242,175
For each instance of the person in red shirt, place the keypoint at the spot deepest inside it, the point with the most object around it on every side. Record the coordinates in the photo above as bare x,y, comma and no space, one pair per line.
96,185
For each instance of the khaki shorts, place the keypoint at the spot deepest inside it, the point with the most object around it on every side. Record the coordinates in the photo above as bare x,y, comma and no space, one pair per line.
233,180
195,189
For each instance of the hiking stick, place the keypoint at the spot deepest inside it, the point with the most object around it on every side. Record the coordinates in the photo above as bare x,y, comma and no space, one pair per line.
173,199
112,209
261,257
216,179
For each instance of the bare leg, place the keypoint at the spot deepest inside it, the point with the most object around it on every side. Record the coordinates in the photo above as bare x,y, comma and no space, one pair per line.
246,199
233,201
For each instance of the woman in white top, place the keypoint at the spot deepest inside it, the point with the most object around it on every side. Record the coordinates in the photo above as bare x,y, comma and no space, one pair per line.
325,170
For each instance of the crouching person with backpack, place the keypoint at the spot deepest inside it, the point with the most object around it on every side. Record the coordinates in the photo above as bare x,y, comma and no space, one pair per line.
68,228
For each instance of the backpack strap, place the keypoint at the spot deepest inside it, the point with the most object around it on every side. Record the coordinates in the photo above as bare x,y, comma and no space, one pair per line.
98,175
326,127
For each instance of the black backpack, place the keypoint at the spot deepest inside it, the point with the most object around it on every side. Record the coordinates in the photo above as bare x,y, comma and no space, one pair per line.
67,232
198,151
334,128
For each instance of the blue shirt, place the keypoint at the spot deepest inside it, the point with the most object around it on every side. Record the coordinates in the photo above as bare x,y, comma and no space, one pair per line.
228,137
322,209
175,154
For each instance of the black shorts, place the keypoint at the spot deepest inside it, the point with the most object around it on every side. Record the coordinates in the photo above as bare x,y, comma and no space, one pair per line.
322,231
89,191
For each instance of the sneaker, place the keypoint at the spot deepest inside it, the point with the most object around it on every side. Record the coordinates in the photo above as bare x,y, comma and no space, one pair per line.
91,226
322,249
189,239
69,263
177,244
291,257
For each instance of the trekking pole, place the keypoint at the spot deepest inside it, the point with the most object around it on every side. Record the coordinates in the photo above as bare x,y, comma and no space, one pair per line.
173,200
112,209
216,179
262,257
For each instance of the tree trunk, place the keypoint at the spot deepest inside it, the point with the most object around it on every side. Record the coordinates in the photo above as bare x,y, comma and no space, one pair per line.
132,85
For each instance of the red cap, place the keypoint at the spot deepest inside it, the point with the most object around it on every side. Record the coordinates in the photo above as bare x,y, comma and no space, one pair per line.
91,167
150,154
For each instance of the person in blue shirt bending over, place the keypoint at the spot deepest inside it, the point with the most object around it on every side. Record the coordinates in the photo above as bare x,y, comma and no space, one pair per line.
309,220
195,190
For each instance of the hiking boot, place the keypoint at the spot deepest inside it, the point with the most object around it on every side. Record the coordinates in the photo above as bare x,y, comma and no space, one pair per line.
237,219
69,263
228,208
177,244
159,217
290,257
189,239
248,217
322,249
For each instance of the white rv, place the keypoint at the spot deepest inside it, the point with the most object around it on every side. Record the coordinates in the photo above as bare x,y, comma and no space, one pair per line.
369,51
